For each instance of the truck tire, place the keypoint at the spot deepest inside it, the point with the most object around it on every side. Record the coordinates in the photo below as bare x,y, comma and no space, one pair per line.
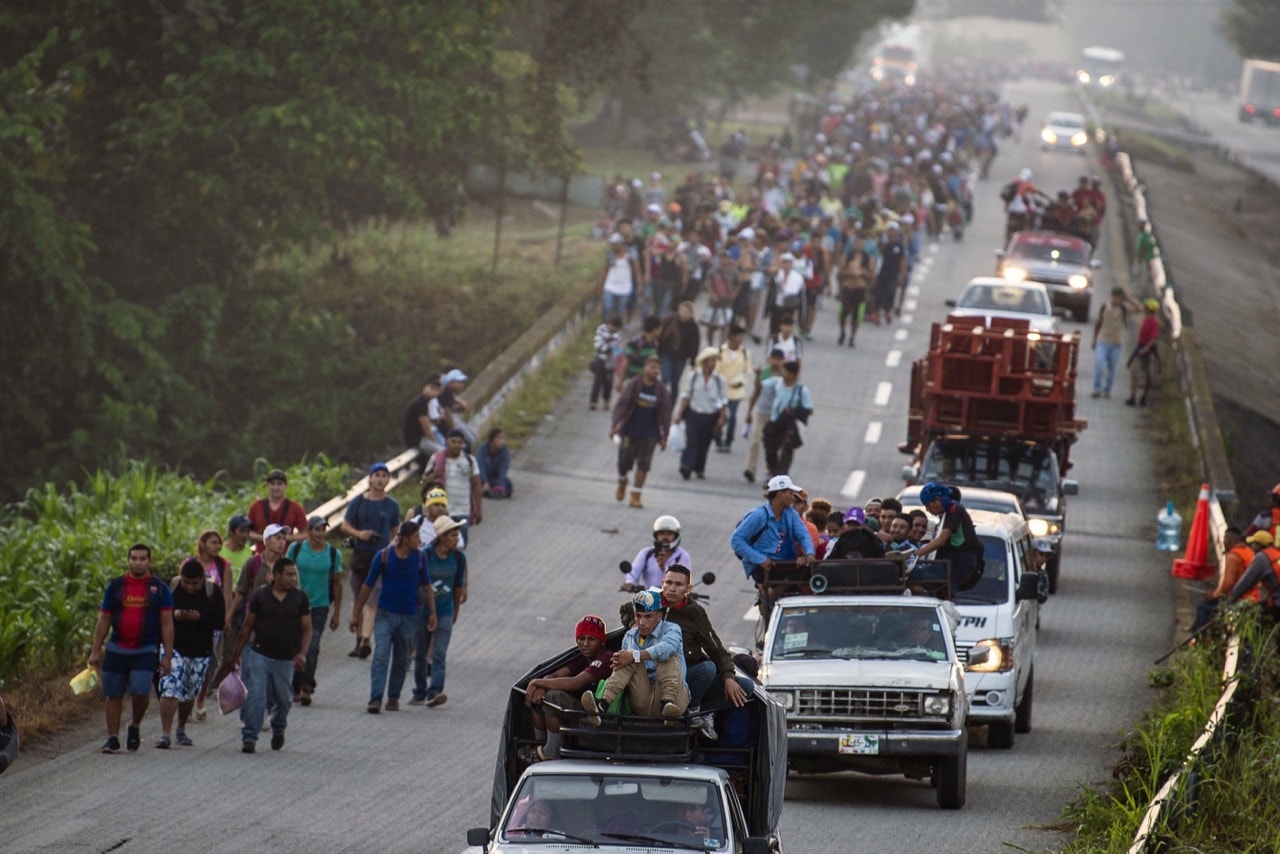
1052,568
1022,711
951,772
1000,735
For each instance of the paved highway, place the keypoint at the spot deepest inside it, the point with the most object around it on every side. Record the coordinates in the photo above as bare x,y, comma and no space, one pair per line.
1257,145
416,779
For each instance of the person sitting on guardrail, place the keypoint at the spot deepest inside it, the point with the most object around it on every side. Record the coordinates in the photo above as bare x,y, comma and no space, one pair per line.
1263,571
423,418
454,407
650,666
1238,555
560,689
1269,519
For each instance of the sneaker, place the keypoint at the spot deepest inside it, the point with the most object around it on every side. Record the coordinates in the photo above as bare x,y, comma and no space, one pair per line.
1142,401
111,745
1096,395
355,653
1129,402
701,475
685,471
706,725
133,740
417,701
200,713
162,743
670,709
621,492
434,700
305,698
393,704
591,406
248,747
277,739
589,706
374,707
365,649
749,475
183,739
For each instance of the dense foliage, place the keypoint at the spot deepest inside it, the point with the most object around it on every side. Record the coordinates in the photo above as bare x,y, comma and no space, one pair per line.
1253,26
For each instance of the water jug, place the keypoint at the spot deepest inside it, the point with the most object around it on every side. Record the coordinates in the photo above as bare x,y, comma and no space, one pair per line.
1168,529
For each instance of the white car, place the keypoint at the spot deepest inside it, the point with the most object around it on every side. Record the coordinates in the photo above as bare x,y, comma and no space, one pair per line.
986,298
1065,132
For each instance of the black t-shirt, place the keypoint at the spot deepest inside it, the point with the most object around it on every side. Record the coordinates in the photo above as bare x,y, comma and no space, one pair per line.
412,429
859,542
194,638
644,419
963,538
277,632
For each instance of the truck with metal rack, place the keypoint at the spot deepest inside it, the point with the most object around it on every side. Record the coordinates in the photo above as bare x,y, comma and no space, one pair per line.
993,406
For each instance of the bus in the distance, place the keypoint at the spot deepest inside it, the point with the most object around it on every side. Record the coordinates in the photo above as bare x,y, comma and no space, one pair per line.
1100,67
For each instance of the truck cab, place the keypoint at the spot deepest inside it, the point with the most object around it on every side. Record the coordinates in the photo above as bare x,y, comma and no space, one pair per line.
872,681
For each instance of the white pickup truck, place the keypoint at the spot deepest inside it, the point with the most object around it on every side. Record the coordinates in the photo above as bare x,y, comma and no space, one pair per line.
871,683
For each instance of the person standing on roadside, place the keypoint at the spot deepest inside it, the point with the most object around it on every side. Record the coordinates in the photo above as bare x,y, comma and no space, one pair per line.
1108,340
760,408
641,422
319,565
402,568
279,621
447,575
199,610
459,473
1145,250
137,607
369,521
607,345
276,509
703,405
1144,362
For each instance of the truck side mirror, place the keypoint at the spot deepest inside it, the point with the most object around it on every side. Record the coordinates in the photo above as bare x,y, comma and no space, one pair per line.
478,837
1070,487
1028,587
951,303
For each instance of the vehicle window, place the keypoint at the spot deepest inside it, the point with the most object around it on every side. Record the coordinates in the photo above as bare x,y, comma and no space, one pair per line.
1064,120
555,807
1024,300
1012,468
1063,254
993,588
859,632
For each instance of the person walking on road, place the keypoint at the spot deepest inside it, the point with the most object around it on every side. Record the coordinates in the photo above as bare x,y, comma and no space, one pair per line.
199,611
447,575
137,608
277,509
759,408
459,473
641,422
279,621
320,577
402,568
618,283
792,406
369,521
703,406
735,367
1144,362
1108,340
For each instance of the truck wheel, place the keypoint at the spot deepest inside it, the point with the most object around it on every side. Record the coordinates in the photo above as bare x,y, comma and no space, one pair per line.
1052,567
1022,712
1000,735
951,773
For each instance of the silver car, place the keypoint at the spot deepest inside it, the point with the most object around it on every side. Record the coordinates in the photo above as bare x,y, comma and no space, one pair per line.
1064,132
1063,263
986,298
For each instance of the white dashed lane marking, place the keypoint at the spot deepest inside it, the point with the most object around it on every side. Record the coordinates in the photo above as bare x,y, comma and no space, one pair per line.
893,358
909,305
906,319
873,433
900,335
883,390
853,484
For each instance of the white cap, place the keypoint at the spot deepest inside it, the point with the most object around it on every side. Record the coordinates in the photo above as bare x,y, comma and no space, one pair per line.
654,209
908,218
272,530
616,238
786,256
893,225
747,233
781,483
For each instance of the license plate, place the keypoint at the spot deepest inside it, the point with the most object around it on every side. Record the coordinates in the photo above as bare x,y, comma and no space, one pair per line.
859,744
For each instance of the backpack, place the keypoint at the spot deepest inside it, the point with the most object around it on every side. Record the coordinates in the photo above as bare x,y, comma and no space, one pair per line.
285,506
719,292
292,554
437,464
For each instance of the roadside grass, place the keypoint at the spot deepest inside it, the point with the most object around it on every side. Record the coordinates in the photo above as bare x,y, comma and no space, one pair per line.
1147,146
1177,467
1151,108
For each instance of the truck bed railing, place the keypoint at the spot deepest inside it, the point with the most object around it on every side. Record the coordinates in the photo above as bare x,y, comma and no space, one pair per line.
860,576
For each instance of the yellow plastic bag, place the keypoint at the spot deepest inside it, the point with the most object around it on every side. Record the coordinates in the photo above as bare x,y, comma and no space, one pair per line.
85,680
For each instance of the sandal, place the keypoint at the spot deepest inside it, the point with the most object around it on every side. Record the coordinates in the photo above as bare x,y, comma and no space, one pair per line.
199,713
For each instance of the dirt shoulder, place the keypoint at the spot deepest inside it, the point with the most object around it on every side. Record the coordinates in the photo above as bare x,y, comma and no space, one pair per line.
1216,228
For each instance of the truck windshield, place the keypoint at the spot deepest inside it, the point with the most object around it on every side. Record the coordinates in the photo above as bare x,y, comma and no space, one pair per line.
1059,251
859,632
993,589
1028,471
596,808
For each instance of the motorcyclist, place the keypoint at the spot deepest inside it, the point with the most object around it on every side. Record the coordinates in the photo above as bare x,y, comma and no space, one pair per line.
651,562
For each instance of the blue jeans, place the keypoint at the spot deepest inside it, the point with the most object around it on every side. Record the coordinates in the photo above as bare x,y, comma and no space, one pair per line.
725,437
706,688
614,305
267,682
306,677
1105,358
672,369
392,637
444,630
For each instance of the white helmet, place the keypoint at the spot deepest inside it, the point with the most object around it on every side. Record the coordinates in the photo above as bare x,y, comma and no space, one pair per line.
1025,175
666,523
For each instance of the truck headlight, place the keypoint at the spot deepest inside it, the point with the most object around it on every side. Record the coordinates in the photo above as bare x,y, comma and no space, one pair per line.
1079,138
1078,281
786,698
999,660
1038,527
1083,76
937,704
1014,274
1048,136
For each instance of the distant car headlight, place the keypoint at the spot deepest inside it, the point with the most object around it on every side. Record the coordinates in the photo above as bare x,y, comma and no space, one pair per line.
910,80
998,660
1078,281
1048,136
1079,138
938,704
1083,76
1014,274
1038,527
1106,80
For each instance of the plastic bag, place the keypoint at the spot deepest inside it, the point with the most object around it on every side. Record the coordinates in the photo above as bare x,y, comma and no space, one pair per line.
231,693
676,439
85,680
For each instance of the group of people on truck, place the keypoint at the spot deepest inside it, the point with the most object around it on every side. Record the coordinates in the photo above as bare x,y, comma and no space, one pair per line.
1079,212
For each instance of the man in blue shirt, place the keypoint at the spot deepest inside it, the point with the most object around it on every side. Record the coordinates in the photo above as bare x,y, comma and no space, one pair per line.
772,532
650,666
403,570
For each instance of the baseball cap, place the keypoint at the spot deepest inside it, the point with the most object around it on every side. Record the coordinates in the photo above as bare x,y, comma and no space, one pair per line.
780,483
893,225
239,521
855,516
1262,538
652,208
616,238
786,256
454,376
378,467
1041,544
647,601
747,233
317,522
276,474
272,530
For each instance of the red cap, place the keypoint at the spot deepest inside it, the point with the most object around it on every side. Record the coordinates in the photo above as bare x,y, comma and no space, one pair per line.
591,626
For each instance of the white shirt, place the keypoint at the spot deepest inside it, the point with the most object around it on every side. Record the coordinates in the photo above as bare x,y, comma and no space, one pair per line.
618,279
790,283
706,394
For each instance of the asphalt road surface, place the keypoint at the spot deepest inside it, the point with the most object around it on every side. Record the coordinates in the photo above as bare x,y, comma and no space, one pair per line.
416,779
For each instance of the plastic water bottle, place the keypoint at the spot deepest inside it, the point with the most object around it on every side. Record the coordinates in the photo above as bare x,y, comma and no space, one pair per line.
1168,529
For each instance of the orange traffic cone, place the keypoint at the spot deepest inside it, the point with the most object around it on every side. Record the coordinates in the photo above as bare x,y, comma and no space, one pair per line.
1195,563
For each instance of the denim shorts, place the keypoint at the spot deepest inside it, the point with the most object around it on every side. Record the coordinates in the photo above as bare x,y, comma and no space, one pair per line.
128,673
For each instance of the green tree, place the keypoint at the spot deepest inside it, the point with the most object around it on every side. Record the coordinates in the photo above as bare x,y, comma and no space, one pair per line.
1253,26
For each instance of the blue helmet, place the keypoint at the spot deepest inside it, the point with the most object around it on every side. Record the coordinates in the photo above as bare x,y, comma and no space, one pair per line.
647,601
934,491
